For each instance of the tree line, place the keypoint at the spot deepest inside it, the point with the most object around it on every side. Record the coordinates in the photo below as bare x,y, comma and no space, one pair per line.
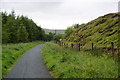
16,29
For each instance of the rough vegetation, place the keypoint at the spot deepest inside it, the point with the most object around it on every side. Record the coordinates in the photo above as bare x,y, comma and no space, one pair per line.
69,63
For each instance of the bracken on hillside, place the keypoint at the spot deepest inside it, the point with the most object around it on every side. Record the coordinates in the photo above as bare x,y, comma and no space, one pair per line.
101,31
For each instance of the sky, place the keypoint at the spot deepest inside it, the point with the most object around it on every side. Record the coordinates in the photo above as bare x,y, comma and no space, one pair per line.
60,14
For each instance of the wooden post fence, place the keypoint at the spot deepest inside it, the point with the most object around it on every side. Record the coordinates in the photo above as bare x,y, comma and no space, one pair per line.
79,46
112,47
92,46
63,44
72,45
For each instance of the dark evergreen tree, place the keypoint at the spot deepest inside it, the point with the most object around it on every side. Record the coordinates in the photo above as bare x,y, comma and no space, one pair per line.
21,29
22,34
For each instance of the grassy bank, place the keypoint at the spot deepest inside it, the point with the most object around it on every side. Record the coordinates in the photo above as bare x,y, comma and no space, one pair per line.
68,63
100,31
12,52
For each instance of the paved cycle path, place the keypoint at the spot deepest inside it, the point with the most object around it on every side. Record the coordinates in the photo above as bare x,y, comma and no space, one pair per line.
30,65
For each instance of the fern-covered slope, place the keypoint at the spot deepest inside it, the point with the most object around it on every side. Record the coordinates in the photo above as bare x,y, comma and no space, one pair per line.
101,31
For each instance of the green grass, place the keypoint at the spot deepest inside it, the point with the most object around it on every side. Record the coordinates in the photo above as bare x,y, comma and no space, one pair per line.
68,63
12,52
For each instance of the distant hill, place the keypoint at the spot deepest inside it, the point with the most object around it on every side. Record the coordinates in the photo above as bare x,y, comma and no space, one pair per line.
101,31
54,30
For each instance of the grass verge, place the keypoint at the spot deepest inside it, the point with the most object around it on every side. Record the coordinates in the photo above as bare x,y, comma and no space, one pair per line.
12,52
68,63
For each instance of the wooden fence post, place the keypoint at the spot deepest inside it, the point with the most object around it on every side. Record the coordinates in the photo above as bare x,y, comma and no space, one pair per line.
79,46
60,43
112,47
63,44
66,45
92,46
72,45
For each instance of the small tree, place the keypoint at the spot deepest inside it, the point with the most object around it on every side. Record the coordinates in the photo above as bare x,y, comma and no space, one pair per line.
68,31
58,36
50,36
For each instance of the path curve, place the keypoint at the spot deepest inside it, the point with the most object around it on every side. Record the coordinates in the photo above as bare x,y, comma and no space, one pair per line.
30,65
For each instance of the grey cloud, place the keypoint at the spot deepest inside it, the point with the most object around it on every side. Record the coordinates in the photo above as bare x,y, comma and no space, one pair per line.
61,13
30,6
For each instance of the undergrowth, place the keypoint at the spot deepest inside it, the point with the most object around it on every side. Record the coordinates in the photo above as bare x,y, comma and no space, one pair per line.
68,63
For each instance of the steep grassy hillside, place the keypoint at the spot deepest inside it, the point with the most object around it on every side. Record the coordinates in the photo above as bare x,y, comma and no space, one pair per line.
101,31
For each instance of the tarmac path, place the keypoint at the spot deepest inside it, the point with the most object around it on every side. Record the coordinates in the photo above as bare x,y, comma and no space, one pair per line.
30,65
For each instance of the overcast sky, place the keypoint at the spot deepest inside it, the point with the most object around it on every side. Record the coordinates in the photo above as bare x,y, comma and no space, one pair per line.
59,14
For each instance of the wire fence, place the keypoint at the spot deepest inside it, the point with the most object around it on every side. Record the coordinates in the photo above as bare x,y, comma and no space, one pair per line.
112,49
